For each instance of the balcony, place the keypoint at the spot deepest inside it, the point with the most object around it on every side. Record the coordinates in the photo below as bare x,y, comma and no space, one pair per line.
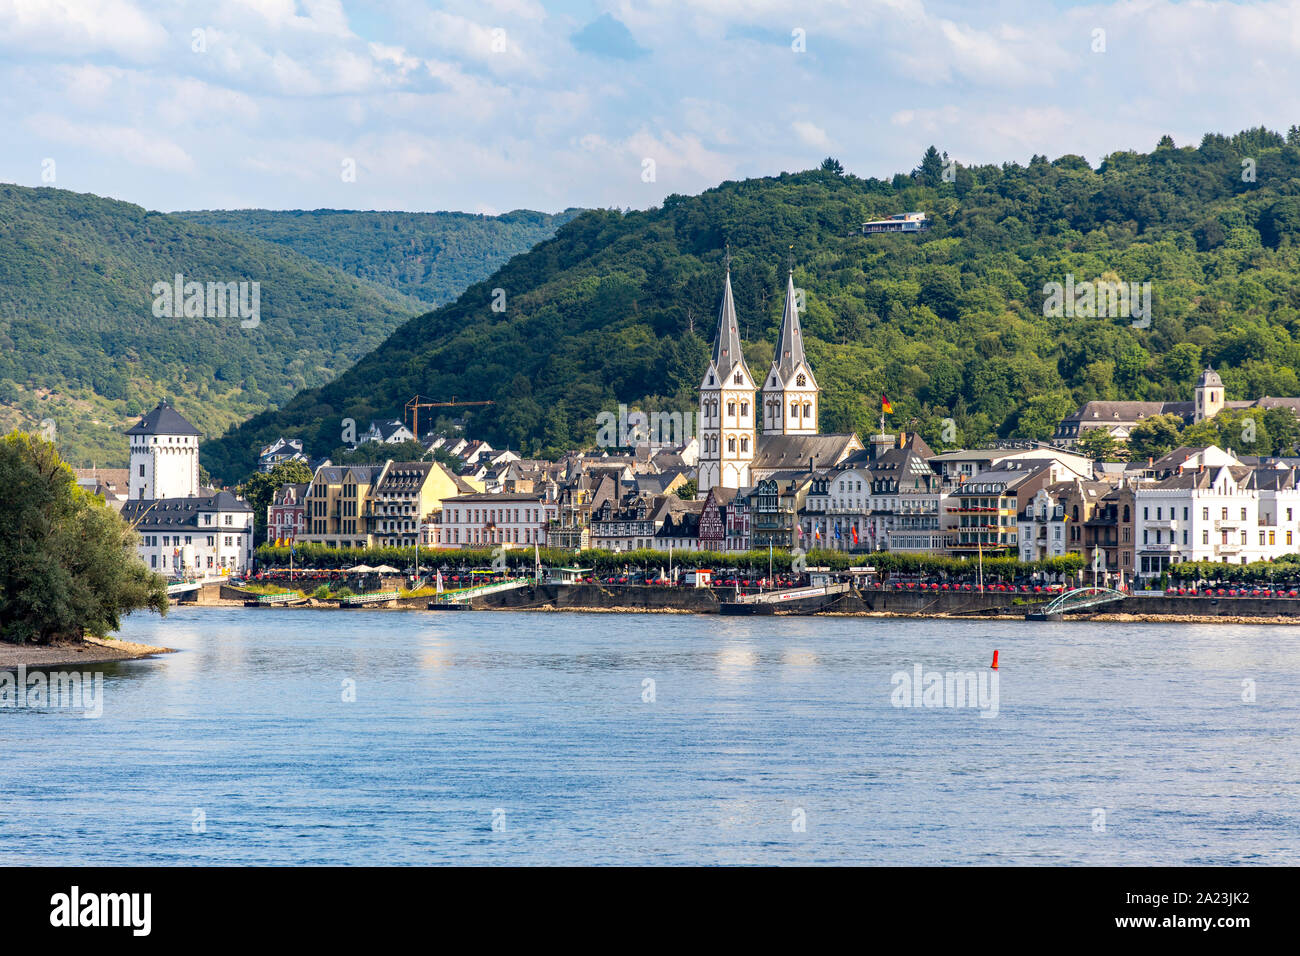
1223,523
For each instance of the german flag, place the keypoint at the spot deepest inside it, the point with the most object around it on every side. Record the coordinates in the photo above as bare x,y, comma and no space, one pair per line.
885,406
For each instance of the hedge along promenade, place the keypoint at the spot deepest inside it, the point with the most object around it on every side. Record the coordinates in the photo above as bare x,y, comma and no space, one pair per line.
998,568
1285,569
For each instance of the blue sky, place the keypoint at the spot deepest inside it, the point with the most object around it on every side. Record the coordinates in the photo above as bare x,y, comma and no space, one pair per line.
492,105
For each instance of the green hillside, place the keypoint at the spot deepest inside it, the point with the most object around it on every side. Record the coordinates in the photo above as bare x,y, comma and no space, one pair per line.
621,307
80,344
429,256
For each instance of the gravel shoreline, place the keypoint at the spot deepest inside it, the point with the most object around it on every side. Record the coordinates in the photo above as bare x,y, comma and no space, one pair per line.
93,650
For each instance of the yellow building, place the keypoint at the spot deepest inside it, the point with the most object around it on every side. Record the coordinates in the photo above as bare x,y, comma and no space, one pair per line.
361,506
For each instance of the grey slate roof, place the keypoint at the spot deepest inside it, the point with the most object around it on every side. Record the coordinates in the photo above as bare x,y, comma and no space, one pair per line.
168,514
789,341
163,420
726,347
793,451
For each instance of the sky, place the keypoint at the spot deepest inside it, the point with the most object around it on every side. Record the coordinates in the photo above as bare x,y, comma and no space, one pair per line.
491,105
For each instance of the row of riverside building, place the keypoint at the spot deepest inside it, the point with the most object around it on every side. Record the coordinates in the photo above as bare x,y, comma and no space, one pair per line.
766,477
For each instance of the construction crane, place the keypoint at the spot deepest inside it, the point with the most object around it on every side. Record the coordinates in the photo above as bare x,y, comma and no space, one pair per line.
414,405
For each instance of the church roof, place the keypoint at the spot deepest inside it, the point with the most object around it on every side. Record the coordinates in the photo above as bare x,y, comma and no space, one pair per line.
726,347
1126,412
780,452
163,420
1209,378
789,341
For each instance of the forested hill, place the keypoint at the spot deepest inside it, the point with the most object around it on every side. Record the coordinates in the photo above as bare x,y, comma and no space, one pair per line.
80,344
429,256
620,307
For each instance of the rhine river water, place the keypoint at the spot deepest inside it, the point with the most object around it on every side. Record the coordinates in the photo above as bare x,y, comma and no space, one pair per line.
760,741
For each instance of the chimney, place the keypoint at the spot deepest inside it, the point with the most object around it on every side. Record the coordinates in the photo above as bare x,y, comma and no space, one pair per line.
902,439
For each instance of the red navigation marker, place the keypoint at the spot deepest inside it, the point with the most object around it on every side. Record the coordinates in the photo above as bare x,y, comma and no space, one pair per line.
995,660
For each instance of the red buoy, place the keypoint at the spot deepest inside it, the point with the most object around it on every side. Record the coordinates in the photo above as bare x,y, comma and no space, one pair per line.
995,660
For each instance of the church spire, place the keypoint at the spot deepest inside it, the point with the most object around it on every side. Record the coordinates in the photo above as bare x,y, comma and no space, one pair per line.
789,342
726,347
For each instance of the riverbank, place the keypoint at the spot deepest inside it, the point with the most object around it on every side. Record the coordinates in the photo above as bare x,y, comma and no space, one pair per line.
93,650
638,599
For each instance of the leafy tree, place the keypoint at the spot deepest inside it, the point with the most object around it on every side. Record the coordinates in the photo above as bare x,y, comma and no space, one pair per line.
69,564
930,172
1098,444
378,452
1284,428
259,489
688,491
1154,436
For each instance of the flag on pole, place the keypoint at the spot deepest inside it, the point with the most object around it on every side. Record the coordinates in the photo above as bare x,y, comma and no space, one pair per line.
885,405
854,529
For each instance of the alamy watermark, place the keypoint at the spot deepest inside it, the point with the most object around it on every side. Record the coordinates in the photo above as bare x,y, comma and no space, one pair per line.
73,690
1098,299
212,300
956,689
628,429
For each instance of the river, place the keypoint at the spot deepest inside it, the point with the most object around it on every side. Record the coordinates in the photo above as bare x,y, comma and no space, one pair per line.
327,737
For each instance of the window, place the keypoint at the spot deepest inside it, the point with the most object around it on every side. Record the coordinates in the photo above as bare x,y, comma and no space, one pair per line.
142,471
1146,514
1205,537
1243,514
794,410
738,379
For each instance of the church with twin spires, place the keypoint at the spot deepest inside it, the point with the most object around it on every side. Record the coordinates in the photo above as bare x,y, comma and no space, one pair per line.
748,433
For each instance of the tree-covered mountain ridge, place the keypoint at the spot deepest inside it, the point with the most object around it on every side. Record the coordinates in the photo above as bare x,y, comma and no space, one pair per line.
430,256
84,351
949,323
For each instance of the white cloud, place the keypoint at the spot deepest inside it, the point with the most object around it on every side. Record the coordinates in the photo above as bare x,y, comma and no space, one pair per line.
145,147
812,134
78,27
437,118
